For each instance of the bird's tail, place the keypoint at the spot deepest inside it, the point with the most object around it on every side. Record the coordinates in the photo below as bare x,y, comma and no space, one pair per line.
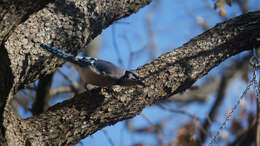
81,61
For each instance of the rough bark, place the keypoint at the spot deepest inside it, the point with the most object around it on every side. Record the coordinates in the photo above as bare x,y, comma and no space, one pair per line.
62,23
173,72
69,24
13,12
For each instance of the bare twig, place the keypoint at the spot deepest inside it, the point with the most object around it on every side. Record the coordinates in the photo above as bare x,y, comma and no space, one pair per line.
120,61
149,19
217,103
61,90
178,112
42,99
108,138
193,117
74,86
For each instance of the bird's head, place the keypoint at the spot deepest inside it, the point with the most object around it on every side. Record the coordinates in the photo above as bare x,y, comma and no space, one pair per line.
131,78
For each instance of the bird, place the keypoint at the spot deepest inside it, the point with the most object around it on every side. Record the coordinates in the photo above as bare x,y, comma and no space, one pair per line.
98,72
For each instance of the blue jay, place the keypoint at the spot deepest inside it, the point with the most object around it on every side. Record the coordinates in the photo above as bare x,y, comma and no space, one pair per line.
99,72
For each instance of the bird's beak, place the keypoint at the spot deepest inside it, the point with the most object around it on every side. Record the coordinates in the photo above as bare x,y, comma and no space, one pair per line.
139,82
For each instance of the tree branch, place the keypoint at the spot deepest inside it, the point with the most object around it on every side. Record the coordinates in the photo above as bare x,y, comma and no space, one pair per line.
13,12
42,98
62,23
173,72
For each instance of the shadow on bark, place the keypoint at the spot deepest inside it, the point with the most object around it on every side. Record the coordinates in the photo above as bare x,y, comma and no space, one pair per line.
6,84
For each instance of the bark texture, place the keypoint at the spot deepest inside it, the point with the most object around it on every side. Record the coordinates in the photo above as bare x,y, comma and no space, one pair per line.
71,24
26,24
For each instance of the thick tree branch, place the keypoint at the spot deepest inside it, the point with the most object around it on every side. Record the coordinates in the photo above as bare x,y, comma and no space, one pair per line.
13,12
173,72
69,24
62,23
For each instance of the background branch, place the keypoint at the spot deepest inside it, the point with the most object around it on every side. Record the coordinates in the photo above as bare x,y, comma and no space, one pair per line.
42,98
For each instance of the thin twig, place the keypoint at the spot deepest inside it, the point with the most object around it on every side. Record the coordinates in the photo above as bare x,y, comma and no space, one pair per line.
229,115
150,30
147,119
75,86
108,138
214,108
120,61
